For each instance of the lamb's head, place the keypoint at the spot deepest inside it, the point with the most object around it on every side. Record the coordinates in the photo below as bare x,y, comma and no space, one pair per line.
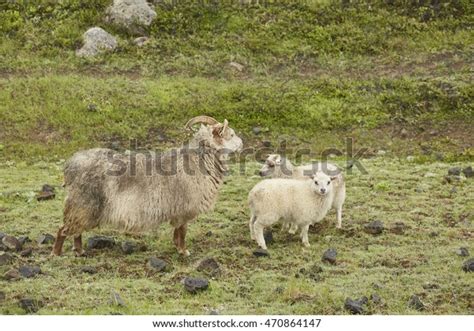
322,183
215,135
276,166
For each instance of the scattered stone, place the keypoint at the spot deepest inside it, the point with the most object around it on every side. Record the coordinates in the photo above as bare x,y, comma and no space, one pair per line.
116,300
23,240
87,269
381,152
5,259
430,286
46,239
141,41
439,156
453,190
313,273
410,158
398,228
26,252
46,193
462,251
415,303
2,296
356,306
256,130
454,171
27,271
268,236
209,234
96,41
47,188
430,175
11,243
91,107
468,172
100,242
375,298
260,252
129,247
31,306
3,248
375,227
434,234
193,285
156,265
404,133
131,14
213,312
11,274
2,235
209,265
468,266
237,66
329,256
267,144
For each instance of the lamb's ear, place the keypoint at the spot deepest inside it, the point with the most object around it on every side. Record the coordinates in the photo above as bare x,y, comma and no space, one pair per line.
226,125
217,130
333,178
312,176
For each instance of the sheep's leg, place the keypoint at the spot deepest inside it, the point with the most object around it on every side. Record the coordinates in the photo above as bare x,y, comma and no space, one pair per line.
304,235
251,223
258,228
58,243
78,246
293,228
339,217
180,239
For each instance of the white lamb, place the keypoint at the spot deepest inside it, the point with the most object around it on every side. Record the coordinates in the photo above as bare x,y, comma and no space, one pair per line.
299,202
276,166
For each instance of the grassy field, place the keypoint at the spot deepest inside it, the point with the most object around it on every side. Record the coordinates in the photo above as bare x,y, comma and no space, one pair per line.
395,76
421,261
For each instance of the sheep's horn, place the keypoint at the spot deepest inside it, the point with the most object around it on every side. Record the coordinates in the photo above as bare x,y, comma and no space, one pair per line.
201,119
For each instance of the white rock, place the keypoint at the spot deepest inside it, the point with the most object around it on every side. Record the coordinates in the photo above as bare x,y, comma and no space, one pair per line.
140,41
410,158
130,13
381,152
237,66
96,41
430,174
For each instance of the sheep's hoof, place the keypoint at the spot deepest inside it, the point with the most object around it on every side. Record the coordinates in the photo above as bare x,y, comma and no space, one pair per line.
291,231
338,226
184,252
79,254
306,245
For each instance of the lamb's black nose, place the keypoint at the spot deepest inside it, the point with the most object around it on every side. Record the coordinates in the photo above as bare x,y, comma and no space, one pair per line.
261,173
323,190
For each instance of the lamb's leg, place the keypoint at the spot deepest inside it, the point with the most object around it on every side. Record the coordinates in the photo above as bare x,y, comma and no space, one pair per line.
78,246
258,228
180,239
339,217
339,202
304,235
251,223
58,243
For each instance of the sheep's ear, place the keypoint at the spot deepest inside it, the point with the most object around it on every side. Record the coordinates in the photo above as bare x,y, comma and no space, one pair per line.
217,130
333,178
226,125
312,176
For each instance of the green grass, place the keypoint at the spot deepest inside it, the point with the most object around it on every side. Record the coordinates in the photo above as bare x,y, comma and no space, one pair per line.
393,266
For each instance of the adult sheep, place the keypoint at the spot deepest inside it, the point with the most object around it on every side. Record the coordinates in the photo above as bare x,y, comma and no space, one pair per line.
276,166
137,192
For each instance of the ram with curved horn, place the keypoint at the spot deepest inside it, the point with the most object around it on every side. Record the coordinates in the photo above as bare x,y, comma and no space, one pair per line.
137,192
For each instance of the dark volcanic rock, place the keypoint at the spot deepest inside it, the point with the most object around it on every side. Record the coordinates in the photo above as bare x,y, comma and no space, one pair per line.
47,188
468,172
11,243
268,236
87,269
2,235
430,286
260,252
375,298
12,274
468,266
3,248
375,227
116,300
23,240
356,306
26,252
28,271
398,228
5,259
313,272
45,195
156,265
329,256
415,303
100,242
30,305
193,285
256,130
454,171
462,251
45,239
2,296
210,266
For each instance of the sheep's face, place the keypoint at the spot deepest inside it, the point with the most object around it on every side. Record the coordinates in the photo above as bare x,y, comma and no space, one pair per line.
322,183
220,137
272,163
